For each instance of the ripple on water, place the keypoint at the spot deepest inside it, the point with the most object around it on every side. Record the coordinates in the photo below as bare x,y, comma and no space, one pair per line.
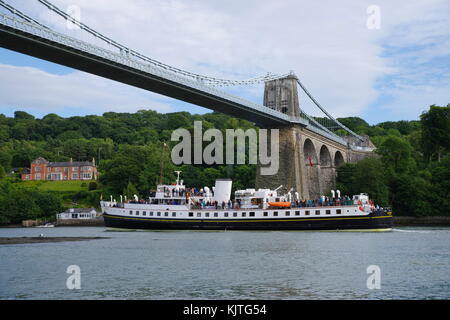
228,265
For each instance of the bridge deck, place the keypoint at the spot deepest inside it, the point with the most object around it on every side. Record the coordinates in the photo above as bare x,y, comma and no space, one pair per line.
52,46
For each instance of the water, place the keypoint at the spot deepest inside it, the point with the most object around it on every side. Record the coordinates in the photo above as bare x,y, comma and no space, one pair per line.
414,264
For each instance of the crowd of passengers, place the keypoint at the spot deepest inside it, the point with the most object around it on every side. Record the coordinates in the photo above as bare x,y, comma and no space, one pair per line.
236,204
323,201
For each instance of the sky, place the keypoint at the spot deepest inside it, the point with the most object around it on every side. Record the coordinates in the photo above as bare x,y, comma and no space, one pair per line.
378,60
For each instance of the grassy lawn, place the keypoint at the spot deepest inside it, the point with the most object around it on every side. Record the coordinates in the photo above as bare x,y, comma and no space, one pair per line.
61,186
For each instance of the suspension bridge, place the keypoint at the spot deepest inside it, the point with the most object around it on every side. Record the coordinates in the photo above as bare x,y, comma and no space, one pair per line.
22,33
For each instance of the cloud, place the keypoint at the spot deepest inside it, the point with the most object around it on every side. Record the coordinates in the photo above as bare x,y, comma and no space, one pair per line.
346,66
37,91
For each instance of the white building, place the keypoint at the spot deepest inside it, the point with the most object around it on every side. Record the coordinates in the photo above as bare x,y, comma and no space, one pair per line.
78,213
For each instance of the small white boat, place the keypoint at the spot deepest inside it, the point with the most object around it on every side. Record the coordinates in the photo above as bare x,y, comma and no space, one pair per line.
47,225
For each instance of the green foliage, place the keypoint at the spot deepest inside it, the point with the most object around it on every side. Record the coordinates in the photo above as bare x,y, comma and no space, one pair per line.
412,196
2,172
414,175
411,173
365,176
92,186
130,191
21,204
354,123
436,131
396,155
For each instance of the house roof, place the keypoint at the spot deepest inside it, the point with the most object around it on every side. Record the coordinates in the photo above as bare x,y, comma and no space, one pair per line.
80,210
70,164
41,160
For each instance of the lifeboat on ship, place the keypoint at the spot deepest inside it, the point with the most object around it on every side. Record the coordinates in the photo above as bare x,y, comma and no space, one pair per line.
283,204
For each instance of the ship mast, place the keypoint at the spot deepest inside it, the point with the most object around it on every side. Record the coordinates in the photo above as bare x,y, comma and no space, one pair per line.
162,164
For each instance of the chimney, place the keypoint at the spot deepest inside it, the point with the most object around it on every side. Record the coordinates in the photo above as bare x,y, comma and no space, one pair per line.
93,162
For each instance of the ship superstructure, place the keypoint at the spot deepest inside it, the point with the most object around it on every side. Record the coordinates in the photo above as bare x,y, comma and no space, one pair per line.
177,207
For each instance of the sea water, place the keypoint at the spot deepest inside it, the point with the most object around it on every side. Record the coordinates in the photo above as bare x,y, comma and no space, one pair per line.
410,263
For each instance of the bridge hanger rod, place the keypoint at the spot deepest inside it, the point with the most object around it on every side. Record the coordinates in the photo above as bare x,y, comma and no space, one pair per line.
20,14
325,111
123,48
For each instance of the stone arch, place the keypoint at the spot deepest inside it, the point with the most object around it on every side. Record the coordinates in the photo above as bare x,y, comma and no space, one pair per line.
338,159
312,168
309,152
325,157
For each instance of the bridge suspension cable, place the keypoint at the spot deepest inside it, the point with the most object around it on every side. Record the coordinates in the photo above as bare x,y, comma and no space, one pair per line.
20,14
326,113
125,50
331,124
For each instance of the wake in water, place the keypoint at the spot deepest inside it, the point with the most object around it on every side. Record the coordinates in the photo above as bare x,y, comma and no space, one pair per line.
413,231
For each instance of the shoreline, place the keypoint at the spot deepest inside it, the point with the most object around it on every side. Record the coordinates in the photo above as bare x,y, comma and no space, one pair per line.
426,221
24,240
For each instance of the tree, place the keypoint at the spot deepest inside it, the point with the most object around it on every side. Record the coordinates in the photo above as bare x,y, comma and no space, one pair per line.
345,175
366,176
130,191
396,155
440,179
2,173
5,159
436,131
354,123
412,196
22,115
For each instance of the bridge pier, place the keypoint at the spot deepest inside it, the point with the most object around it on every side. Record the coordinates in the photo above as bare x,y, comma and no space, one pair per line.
300,165
307,160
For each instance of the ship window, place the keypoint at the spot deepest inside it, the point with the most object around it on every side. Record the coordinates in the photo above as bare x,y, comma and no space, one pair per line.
199,214
266,213
244,214
275,214
307,213
158,214
174,214
166,214
288,213
216,214
207,214
328,211
144,213
251,214
191,214
137,213
151,213
225,214
234,214
297,213
317,212
131,212
338,211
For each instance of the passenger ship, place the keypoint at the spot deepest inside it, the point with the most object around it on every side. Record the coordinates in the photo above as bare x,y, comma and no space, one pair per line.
177,207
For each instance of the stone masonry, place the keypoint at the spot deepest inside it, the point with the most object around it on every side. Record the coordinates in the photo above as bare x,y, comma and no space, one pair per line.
308,161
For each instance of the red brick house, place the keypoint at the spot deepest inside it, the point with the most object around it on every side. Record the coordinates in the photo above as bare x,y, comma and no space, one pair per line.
41,169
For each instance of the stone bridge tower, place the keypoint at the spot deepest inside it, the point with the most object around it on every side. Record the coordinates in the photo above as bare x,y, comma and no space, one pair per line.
307,160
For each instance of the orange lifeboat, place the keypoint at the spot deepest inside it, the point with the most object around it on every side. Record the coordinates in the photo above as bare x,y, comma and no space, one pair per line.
280,204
